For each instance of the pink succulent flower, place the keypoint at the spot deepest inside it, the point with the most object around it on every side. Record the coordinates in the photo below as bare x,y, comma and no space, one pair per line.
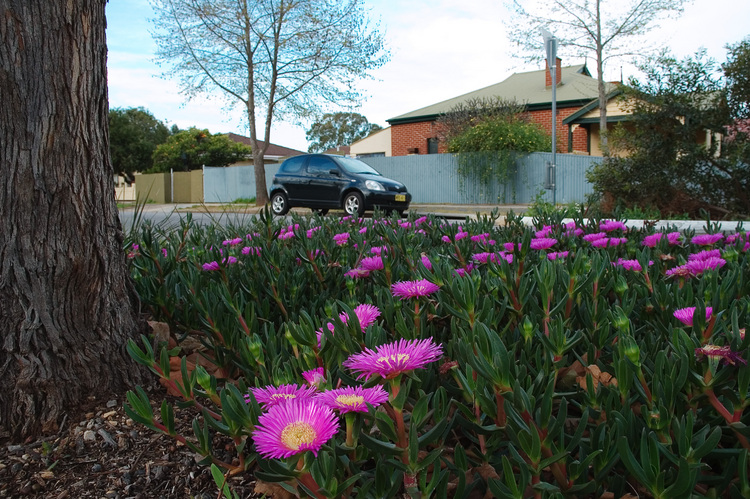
393,359
413,289
294,428
353,399
685,315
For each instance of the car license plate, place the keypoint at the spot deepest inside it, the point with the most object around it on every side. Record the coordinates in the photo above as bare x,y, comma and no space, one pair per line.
401,197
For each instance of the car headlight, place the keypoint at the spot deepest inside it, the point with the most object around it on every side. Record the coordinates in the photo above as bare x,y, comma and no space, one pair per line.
374,186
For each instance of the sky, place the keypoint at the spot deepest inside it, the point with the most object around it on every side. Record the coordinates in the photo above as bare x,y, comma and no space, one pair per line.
439,49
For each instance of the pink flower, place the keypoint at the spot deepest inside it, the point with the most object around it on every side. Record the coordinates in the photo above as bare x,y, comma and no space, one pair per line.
714,352
379,250
357,273
610,225
315,377
465,271
285,235
371,263
484,257
652,240
366,315
426,262
673,238
211,266
602,242
510,247
706,239
311,232
699,266
232,242
483,239
542,243
251,250
390,360
593,237
557,255
353,399
544,232
293,428
704,255
413,289
341,239
685,315
270,396
628,264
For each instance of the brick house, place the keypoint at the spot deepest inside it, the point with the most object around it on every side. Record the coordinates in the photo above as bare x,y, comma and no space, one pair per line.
416,132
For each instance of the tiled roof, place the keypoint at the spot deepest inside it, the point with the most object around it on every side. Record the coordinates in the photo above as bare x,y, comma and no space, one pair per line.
273,149
576,87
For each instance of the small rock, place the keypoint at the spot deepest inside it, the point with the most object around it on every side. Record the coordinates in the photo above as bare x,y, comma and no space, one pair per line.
15,448
109,414
111,494
89,436
107,438
16,467
159,472
80,446
122,442
127,478
96,468
90,415
111,403
90,424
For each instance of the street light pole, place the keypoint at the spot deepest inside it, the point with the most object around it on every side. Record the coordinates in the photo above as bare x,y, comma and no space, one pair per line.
550,45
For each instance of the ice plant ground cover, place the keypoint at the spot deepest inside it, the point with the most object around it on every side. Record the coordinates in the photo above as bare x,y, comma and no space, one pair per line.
580,360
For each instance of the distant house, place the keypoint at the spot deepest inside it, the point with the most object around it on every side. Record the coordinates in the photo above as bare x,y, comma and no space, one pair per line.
274,153
375,144
416,132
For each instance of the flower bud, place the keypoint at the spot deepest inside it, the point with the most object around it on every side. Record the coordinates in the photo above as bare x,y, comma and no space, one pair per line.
527,329
631,350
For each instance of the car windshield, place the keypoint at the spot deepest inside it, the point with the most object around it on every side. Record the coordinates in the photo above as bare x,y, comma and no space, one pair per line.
356,166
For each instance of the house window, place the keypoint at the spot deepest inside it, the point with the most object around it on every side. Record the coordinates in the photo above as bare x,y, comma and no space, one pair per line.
432,145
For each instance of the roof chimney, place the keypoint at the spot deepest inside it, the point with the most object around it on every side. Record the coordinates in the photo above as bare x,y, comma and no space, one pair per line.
558,73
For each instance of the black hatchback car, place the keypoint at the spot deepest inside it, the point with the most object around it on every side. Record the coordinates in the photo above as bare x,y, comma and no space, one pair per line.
322,182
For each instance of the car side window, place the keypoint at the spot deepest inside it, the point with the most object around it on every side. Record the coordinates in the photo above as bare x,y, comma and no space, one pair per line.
319,165
293,165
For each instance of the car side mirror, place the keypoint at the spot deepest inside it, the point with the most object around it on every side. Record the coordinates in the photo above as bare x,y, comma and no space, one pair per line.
334,171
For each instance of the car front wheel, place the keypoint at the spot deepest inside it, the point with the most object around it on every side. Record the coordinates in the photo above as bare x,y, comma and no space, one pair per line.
279,204
354,204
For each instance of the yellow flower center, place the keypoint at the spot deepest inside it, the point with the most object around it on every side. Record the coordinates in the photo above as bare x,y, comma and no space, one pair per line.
352,400
296,434
277,396
392,359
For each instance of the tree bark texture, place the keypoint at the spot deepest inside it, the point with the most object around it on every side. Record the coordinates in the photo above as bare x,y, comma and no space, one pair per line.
67,305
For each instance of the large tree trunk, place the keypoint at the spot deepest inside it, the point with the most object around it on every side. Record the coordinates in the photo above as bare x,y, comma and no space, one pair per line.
67,307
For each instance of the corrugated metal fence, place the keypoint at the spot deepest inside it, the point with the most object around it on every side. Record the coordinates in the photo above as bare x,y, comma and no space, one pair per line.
434,178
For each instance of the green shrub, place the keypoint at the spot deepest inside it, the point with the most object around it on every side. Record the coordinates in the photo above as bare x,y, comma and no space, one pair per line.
565,377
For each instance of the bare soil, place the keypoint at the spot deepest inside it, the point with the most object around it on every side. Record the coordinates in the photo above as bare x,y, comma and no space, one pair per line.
102,453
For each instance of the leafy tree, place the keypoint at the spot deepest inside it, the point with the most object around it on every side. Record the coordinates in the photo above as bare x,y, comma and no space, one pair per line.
338,129
737,73
488,134
193,148
606,30
133,136
678,155
68,305
275,57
